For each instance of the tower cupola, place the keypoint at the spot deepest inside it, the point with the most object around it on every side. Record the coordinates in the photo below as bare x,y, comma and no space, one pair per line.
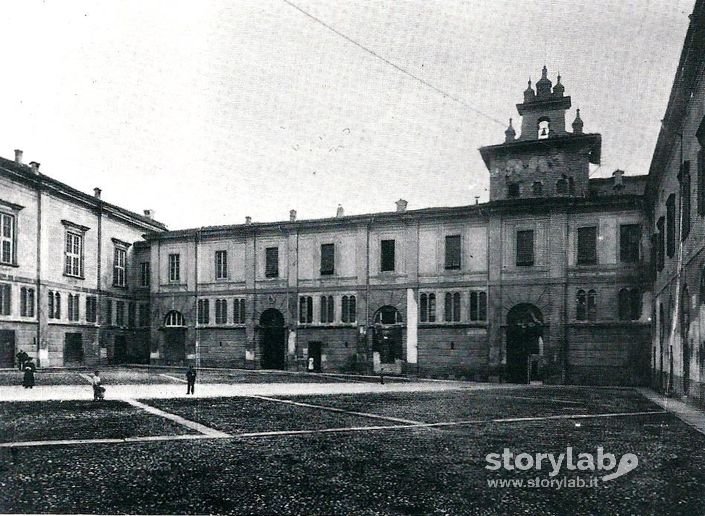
543,112
543,86
510,134
529,94
558,89
577,123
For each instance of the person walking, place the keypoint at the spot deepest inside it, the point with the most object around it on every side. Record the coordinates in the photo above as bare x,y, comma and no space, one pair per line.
22,357
29,368
98,389
190,379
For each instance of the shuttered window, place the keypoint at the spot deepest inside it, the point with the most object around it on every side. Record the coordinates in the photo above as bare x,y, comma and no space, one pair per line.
525,247
587,245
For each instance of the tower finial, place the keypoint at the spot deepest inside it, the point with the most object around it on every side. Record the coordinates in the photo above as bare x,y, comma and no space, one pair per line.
558,89
577,123
509,133
544,72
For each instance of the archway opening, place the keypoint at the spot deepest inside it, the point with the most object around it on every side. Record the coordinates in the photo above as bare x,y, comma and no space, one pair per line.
524,343
387,337
272,339
174,338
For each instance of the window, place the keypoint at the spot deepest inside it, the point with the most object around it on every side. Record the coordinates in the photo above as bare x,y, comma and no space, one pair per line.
452,307
131,314
629,243
671,225
174,268
305,309
174,319
203,311
660,243
387,255
592,305
109,312
478,306
327,259
587,245
348,309
327,309
453,252
143,319
562,186
4,299
54,305
629,301
271,268
74,255
513,190
119,261
221,311
685,199
239,311
73,307
702,286
581,306
525,247
537,188
119,313
427,307
144,274
701,180
27,302
221,265
7,238
91,309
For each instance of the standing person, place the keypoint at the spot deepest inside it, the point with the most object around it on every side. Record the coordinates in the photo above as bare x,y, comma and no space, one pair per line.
190,379
98,389
29,368
22,357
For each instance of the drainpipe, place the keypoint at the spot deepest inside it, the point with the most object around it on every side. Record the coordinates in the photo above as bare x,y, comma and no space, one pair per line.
196,240
367,289
39,269
99,283
564,368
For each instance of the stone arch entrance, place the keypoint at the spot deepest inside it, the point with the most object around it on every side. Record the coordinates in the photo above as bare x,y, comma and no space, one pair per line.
524,334
387,339
272,339
174,338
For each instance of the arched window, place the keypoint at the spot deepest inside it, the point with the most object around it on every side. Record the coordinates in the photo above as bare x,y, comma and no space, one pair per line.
537,188
592,305
423,308
513,190
387,315
174,319
327,309
562,186
544,127
581,306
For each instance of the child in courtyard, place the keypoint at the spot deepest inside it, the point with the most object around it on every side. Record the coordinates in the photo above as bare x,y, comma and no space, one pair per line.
98,389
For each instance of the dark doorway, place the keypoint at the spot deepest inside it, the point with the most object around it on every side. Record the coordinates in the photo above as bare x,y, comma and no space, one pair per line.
524,328
272,339
73,349
314,356
387,336
7,348
685,341
120,350
175,346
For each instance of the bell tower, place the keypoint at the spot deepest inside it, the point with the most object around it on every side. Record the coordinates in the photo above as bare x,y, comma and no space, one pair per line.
543,112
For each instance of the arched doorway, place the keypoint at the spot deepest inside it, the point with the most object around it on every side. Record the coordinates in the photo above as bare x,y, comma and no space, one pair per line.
272,339
174,338
524,334
387,336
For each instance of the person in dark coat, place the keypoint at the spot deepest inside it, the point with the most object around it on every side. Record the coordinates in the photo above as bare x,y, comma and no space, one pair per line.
190,379
22,357
29,368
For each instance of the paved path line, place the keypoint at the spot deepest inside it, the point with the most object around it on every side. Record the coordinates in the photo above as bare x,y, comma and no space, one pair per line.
547,418
688,414
173,378
86,377
343,411
61,442
198,427
535,398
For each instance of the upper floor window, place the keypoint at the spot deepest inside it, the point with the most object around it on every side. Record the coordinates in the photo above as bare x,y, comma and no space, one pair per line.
327,259
327,309
54,305
452,307
452,252
119,267
660,243
27,302
73,307
586,305
174,268
671,225
221,265
587,245
221,311
629,304
271,267
131,314
305,309
239,311
629,242
478,306
7,238
120,313
348,310
387,251
144,274
537,188
525,247
427,308
513,190
203,311
5,299
685,197
91,309
73,265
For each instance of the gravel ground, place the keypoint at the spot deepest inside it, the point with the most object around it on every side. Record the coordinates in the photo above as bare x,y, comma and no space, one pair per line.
51,420
367,473
73,377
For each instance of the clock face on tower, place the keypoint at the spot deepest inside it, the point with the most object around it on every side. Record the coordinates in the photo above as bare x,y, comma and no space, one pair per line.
534,166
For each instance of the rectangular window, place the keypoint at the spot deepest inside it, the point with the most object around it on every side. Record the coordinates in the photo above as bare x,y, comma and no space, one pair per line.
221,265
327,259
452,252
91,309
174,268
629,243
239,311
27,302
525,247
478,306
387,255
144,274
348,309
144,315
660,244
587,245
119,313
7,238
305,309
452,307
203,311
74,255
4,299
109,312
119,262
701,181
271,267
685,199
221,311
131,314
671,225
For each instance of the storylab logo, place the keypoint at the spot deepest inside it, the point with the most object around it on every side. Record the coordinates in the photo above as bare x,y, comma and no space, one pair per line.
604,466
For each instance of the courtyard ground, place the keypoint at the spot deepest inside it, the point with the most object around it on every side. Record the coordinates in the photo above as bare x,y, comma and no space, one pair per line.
316,444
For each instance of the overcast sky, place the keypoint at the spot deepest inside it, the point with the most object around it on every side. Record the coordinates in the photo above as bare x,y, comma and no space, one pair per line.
210,111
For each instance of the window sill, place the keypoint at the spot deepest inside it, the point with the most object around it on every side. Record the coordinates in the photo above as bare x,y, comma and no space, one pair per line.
6,264
124,287
74,277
